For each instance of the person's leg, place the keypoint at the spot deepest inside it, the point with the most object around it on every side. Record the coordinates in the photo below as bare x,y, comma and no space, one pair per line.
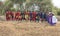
30,19
34,19
41,19
8,18
37,20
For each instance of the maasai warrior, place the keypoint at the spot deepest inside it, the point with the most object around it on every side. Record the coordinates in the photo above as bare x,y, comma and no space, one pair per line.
12,15
34,16
50,18
23,15
9,15
27,15
18,15
30,16
37,16
42,16
46,18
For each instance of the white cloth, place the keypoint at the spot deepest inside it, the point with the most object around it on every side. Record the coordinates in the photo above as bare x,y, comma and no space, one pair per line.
54,19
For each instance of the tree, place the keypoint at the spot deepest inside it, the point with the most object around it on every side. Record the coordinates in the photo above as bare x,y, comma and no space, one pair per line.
45,5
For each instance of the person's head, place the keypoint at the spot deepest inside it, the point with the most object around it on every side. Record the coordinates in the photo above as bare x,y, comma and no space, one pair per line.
53,14
50,12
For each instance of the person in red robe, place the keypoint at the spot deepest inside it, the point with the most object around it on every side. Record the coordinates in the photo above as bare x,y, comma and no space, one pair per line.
9,15
34,16
18,15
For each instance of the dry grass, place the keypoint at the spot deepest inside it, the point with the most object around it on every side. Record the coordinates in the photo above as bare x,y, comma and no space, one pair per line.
15,28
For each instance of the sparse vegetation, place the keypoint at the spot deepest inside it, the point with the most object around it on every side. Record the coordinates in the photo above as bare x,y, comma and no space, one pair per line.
8,28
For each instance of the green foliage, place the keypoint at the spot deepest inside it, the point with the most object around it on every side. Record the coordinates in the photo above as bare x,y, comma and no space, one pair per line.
58,13
45,5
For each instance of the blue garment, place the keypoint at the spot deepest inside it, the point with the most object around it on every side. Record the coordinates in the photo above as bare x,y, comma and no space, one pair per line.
50,20
30,15
42,15
47,18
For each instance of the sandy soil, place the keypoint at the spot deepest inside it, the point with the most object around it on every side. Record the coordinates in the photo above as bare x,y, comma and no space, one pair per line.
26,28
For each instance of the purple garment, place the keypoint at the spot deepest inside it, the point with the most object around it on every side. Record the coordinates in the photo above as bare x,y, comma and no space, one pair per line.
50,19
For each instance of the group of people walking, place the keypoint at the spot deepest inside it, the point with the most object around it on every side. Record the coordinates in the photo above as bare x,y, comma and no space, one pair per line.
32,16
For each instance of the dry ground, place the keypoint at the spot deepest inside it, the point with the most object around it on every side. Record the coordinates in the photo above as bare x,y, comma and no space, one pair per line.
26,28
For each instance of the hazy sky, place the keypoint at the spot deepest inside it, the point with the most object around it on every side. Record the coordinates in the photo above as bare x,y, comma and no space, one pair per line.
56,3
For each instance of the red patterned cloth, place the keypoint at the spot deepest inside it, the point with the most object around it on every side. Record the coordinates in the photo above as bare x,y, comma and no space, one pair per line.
17,16
9,15
34,16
